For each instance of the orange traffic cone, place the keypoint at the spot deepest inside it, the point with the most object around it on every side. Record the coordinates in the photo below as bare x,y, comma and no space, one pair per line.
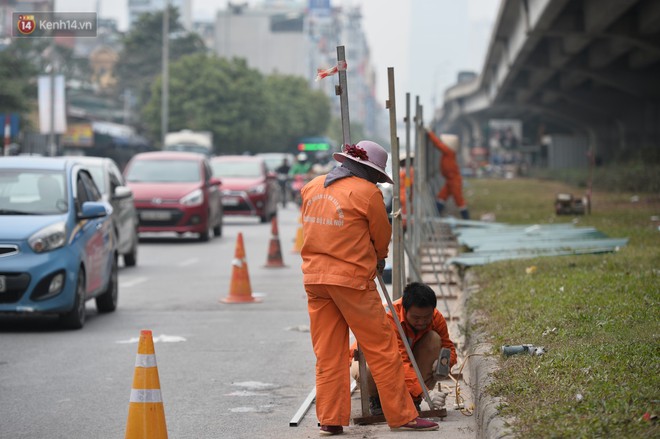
146,415
274,250
240,290
297,246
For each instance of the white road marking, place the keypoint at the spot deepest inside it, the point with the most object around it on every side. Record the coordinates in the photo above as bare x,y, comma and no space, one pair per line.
164,338
133,282
187,262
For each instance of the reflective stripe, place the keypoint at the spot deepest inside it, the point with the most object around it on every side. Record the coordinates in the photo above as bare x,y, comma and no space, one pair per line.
144,395
145,360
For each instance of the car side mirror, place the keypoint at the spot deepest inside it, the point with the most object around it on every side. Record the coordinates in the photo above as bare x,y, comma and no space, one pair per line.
122,192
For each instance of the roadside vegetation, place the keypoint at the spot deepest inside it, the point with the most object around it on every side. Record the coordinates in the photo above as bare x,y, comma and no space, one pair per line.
598,316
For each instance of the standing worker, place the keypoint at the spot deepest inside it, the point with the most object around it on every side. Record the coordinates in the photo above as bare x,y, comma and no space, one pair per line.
427,333
346,239
448,145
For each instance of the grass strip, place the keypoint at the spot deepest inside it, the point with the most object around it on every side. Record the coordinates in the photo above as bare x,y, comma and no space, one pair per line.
598,316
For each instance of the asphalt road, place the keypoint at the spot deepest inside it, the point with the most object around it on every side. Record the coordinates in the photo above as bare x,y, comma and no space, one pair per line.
226,370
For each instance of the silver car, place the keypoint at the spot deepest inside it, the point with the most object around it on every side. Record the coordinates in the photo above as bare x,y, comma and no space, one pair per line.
110,182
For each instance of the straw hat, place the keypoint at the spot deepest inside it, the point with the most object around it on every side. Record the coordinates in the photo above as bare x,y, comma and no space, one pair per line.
367,153
451,140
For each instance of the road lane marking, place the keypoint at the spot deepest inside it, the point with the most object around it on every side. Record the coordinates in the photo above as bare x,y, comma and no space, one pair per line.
187,262
133,282
164,338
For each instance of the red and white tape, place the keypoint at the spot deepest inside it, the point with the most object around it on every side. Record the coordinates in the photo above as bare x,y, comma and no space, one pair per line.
320,73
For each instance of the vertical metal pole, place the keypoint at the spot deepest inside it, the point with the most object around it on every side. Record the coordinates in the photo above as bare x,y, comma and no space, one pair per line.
410,223
396,202
165,85
342,91
417,190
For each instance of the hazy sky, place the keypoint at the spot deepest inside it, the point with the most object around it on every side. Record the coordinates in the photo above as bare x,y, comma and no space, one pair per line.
427,42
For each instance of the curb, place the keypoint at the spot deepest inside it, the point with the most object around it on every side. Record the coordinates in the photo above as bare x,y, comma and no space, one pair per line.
489,423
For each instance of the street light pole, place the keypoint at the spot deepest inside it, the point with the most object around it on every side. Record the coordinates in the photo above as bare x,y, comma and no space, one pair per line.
165,73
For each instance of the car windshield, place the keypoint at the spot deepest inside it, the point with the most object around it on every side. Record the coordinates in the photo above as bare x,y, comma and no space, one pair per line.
32,192
164,171
236,169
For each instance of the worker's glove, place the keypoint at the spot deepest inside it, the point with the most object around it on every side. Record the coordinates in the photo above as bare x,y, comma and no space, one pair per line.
380,266
438,399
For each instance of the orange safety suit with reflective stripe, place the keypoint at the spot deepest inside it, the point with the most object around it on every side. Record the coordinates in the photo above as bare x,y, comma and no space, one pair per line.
439,325
345,232
449,169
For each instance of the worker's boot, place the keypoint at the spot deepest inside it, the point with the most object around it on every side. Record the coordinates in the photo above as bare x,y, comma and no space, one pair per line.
441,206
465,214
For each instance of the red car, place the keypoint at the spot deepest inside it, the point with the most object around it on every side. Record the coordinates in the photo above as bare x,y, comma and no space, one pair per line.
248,188
175,192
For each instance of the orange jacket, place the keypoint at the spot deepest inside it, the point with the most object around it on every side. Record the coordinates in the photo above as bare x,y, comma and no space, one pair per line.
448,164
439,325
345,232
404,184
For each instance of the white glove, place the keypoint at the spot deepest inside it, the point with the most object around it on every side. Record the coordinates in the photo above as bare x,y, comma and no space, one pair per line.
438,399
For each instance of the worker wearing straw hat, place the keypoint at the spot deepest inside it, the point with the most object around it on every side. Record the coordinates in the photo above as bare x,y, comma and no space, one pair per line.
346,235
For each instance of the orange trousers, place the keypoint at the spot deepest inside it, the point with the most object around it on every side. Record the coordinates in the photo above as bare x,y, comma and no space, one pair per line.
332,310
453,187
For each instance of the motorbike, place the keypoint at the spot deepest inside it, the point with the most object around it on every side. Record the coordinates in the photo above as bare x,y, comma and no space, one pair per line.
297,183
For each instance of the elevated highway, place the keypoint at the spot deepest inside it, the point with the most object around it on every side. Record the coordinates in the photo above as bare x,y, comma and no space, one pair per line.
585,69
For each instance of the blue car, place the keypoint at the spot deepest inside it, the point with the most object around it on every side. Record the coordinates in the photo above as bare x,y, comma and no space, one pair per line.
57,244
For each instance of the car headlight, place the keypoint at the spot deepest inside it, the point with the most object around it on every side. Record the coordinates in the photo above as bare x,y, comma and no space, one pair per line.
258,189
49,238
195,198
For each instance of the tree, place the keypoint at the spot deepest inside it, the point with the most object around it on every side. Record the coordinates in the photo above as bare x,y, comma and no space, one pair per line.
244,110
294,111
140,61
214,94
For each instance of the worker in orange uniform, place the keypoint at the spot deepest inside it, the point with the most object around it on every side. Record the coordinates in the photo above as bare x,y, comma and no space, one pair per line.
405,184
448,145
346,239
427,333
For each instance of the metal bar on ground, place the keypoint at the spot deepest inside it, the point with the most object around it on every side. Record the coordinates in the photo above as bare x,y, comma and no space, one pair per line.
295,421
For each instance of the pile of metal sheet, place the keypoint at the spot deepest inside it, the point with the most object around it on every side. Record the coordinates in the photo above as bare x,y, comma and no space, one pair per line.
486,242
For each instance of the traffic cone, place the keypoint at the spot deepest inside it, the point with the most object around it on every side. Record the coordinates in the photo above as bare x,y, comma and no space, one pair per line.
240,290
146,415
297,246
274,250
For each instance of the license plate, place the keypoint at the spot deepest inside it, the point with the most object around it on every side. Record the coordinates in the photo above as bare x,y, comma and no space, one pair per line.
155,215
230,201
3,284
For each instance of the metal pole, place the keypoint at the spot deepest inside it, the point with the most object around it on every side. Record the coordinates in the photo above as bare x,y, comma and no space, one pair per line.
410,223
397,222
165,86
417,188
342,91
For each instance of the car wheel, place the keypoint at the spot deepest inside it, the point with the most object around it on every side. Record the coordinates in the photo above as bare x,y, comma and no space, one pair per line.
107,301
75,319
264,218
204,236
130,259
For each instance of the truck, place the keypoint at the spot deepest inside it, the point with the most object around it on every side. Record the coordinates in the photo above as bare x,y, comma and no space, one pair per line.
190,141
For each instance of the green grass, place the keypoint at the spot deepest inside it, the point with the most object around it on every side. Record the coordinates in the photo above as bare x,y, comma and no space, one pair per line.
605,308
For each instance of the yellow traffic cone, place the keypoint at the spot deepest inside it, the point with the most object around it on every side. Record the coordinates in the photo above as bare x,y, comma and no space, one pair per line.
146,415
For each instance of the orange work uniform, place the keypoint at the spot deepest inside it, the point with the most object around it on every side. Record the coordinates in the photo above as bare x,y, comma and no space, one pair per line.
346,230
439,325
449,169
405,183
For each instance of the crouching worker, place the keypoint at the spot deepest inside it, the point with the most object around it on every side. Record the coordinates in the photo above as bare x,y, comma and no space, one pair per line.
426,330
346,239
